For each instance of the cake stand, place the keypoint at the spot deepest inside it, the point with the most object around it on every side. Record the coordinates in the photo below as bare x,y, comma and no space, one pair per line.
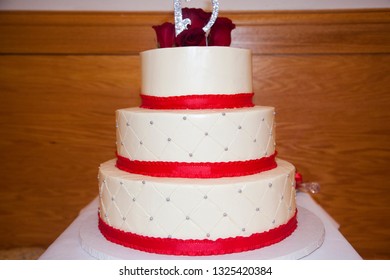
308,237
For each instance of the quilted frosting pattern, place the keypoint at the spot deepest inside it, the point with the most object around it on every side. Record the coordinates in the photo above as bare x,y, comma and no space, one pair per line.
195,135
197,208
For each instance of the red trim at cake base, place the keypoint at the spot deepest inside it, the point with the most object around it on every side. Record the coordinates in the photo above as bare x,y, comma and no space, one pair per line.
192,247
196,169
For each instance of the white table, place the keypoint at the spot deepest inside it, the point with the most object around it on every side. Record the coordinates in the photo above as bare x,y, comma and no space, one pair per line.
335,246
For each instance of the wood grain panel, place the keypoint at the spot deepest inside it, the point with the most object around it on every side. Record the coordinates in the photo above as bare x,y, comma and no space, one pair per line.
57,122
129,33
63,75
333,123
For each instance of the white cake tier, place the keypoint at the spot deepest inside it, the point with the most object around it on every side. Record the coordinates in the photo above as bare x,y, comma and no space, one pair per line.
196,70
195,135
196,208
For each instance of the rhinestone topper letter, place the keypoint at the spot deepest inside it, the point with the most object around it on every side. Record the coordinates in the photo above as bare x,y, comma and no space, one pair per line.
181,24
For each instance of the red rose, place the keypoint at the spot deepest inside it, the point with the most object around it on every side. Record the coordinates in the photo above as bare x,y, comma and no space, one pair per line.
198,17
191,37
219,35
165,34
220,32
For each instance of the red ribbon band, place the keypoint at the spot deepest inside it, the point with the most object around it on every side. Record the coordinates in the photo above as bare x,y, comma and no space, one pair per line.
192,247
207,101
196,169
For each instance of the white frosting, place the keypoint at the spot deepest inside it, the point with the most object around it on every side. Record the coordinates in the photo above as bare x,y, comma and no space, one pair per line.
196,70
195,135
196,208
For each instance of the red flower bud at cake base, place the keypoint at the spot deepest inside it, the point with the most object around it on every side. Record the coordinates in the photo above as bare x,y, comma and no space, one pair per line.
220,33
165,34
191,37
298,178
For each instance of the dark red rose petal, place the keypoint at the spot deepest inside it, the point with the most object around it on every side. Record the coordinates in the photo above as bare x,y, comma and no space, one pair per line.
191,37
165,34
220,32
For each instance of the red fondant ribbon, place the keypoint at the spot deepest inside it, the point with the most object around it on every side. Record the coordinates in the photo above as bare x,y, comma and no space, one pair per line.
207,101
196,169
203,247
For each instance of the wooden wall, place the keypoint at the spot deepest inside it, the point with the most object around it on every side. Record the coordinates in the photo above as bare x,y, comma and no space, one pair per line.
63,74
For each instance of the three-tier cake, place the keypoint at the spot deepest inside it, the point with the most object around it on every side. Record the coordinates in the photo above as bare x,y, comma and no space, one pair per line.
196,171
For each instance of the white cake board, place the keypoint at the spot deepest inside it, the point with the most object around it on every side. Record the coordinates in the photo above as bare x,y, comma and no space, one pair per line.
308,237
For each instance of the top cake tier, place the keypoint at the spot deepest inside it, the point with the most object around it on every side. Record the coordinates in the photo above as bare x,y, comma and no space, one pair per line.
196,71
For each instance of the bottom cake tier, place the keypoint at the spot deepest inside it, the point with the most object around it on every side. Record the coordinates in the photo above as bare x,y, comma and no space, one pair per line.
197,216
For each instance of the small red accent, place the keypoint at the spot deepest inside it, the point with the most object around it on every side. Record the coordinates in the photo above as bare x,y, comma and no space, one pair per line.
298,179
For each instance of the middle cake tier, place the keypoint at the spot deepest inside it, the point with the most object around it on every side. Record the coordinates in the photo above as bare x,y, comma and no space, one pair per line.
195,135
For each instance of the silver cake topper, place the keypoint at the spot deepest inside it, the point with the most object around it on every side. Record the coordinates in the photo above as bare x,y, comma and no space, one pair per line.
181,24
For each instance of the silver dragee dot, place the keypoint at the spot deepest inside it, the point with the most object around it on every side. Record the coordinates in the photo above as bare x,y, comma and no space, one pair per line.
273,221
206,134
239,191
141,143
243,229
208,234
124,218
134,199
168,199
143,182
184,118
226,149
223,114
225,214
270,185
169,139
151,122
205,197
190,154
151,219
187,218
257,209
127,124
239,127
